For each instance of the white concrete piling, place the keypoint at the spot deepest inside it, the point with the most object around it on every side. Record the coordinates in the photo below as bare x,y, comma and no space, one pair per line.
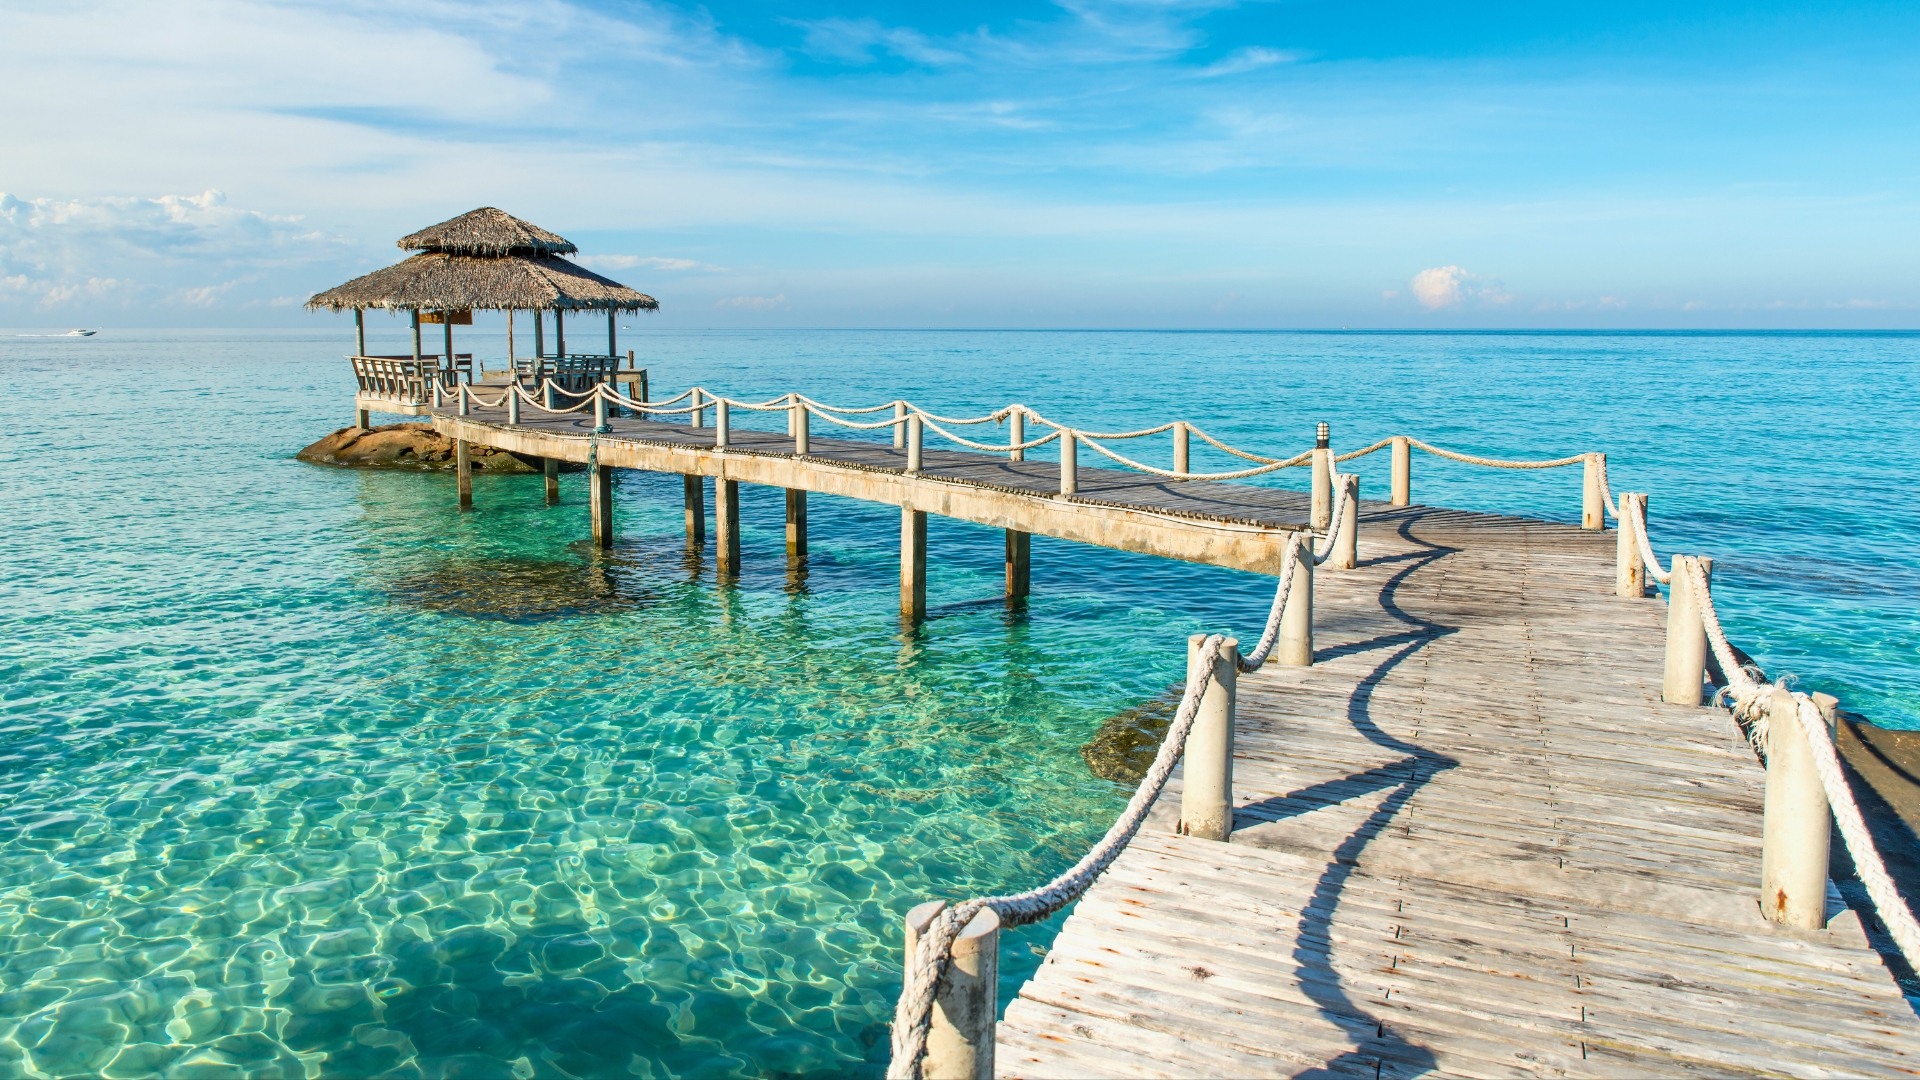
1346,546
1180,445
1069,465
1593,514
916,438
1295,647
966,1001
802,422
1322,479
1686,664
1402,471
1016,434
1206,793
899,425
1797,823
722,426
1629,570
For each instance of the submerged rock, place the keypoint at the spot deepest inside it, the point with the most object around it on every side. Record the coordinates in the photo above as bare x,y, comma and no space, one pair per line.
403,446
1123,749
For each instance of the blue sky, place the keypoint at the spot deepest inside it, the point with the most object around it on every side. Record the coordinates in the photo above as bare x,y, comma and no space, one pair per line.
1086,164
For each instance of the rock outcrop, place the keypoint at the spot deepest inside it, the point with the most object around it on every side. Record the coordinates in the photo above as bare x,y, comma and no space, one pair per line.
403,446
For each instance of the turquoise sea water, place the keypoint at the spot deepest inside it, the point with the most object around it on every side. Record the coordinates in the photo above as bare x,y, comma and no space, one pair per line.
308,773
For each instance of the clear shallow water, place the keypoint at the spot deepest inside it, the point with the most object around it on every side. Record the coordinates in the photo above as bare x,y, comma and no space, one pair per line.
306,772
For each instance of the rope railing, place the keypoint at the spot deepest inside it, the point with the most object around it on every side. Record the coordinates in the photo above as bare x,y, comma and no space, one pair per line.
909,420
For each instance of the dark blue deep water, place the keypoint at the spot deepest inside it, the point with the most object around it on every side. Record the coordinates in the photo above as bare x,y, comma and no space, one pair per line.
305,772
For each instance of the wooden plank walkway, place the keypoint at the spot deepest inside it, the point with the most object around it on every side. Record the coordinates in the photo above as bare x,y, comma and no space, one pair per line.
1471,841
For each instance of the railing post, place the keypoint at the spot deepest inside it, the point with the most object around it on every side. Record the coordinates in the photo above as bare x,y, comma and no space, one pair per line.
802,422
1686,666
1016,434
722,425
1295,647
1206,791
463,470
1069,465
1402,471
1346,547
966,1001
436,392
1630,571
1593,515
698,417
600,409
1793,854
546,394
1180,447
899,428
513,404
1322,479
915,437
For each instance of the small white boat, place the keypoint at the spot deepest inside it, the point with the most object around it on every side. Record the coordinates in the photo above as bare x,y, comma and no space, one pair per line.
81,333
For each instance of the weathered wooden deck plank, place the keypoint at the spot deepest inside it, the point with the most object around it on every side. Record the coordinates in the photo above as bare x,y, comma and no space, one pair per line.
1471,840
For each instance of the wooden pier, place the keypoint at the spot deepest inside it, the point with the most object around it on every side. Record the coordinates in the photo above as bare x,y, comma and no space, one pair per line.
1470,840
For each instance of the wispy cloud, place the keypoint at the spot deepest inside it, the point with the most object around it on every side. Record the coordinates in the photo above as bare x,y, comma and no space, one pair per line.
1252,58
753,303
651,262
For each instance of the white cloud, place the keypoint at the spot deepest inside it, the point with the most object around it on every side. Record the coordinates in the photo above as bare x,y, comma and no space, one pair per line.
1450,286
651,262
754,303
1248,59
853,41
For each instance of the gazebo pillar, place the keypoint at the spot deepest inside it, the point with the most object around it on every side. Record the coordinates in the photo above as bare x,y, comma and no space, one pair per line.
416,339
446,324
360,418
559,332
539,335
613,342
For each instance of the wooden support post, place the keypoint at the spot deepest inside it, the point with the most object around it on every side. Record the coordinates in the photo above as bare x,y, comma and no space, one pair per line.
722,426
1629,570
1593,514
796,524
1295,647
1206,794
913,564
513,369
539,337
726,526
916,436
600,486
463,469
1793,853
1686,666
1069,465
446,356
613,340
696,492
1402,471
1322,479
1016,434
899,427
416,343
1346,547
1019,565
359,332
966,1001
362,418
559,332
1180,445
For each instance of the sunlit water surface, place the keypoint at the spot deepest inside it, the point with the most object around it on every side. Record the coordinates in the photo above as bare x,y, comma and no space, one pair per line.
309,773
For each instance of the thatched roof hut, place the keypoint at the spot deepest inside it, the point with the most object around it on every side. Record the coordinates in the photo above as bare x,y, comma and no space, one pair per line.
489,260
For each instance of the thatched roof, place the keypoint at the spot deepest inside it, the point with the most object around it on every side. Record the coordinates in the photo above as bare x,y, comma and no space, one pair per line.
436,280
487,231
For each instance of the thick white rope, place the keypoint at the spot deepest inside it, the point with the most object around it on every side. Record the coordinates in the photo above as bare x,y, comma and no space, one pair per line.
1496,463
1169,473
1364,453
1250,662
1637,521
1750,703
1298,459
913,1013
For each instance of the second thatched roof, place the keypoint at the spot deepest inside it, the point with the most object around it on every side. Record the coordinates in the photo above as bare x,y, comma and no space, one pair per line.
436,280
488,231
